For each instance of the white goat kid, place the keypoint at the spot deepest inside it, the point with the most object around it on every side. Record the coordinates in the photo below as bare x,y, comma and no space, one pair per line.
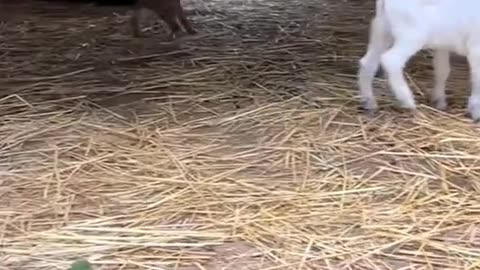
401,28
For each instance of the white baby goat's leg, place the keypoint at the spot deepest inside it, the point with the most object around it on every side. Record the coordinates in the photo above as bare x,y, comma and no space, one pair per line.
393,62
474,100
441,66
379,41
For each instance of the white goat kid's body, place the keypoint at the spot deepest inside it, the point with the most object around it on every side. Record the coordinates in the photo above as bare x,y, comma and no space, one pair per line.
401,28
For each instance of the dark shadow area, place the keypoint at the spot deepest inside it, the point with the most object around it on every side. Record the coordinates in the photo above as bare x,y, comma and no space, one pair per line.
97,2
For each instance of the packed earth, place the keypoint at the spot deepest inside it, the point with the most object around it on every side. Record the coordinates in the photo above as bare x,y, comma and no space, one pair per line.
242,147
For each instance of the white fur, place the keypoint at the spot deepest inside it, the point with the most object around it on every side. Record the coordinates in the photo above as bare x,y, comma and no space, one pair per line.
401,28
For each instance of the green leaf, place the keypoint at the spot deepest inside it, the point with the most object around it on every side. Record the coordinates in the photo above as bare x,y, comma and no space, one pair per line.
81,265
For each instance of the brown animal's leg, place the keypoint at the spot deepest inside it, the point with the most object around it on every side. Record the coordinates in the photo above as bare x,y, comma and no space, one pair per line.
139,15
134,22
183,19
169,17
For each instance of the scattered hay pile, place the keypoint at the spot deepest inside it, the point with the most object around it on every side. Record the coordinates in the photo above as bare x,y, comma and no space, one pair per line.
242,150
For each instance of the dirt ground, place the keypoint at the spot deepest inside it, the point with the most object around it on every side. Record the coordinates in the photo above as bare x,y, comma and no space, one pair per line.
241,148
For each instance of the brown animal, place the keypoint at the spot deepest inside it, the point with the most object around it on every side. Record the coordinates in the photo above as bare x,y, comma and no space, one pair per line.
168,10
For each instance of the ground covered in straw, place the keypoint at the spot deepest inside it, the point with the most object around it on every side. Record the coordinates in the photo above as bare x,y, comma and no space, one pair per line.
243,149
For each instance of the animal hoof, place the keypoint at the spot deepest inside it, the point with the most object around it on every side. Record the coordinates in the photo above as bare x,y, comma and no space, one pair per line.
369,104
371,113
475,116
440,104
369,108
178,36
137,33
408,105
474,109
